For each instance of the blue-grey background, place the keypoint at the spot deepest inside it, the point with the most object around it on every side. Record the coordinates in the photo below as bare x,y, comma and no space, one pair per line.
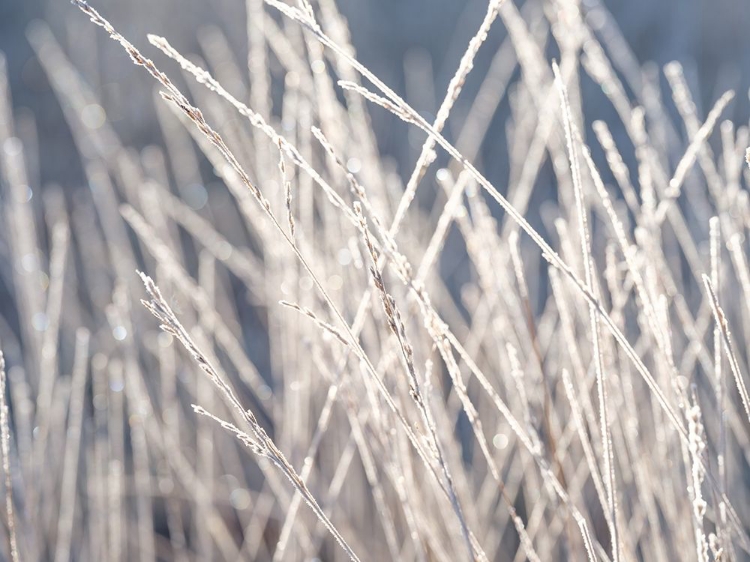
710,37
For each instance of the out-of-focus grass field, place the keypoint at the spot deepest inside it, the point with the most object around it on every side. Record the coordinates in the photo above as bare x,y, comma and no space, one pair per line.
419,280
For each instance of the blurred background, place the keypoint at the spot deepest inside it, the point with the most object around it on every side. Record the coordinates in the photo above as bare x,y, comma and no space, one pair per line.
413,45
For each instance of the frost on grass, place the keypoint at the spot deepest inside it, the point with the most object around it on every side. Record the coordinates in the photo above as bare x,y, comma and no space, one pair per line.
343,358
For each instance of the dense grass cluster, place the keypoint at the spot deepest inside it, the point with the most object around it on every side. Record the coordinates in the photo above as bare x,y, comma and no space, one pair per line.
304,380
